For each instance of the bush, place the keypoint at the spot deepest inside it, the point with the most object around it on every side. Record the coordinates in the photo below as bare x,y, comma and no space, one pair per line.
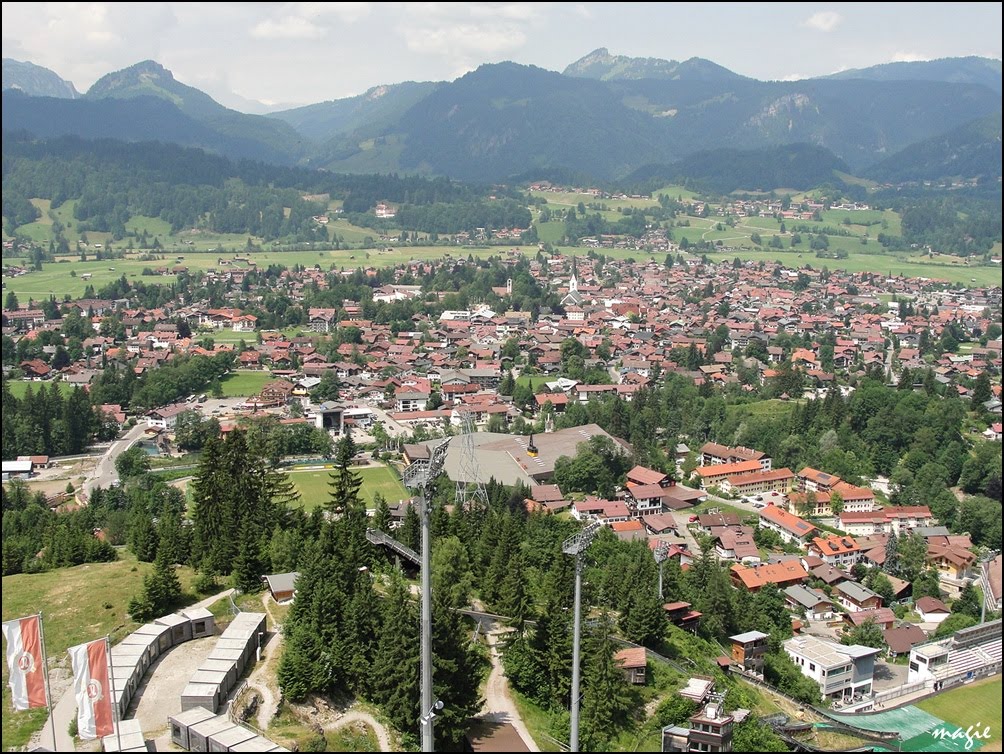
205,583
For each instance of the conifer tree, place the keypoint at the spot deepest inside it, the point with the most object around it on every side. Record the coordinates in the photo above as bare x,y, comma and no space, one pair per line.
606,698
345,483
396,670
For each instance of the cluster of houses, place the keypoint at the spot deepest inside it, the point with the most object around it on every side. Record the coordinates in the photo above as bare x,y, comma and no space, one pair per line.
648,322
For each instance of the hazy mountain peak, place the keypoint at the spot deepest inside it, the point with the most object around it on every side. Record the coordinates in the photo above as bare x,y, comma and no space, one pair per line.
35,80
601,65
967,70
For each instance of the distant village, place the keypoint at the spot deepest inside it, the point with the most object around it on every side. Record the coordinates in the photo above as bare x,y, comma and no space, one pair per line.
635,329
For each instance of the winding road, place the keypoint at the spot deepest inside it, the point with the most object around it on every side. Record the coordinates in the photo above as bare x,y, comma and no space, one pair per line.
104,473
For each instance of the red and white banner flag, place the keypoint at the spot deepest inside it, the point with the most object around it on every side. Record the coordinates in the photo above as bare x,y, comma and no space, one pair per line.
91,684
25,662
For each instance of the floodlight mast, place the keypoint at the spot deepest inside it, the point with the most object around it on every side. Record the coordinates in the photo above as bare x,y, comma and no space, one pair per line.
421,481
661,553
576,545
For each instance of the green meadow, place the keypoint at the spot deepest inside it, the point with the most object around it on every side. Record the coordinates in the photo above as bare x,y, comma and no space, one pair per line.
314,490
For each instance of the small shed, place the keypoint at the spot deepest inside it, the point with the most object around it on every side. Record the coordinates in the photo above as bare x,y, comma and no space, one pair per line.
203,622
181,627
126,736
223,740
160,633
228,667
632,661
282,586
200,695
200,733
181,722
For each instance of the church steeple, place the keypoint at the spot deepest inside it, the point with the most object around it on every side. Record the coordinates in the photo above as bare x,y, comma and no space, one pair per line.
573,283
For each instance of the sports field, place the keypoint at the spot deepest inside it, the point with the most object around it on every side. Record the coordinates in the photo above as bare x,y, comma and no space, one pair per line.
314,490
246,383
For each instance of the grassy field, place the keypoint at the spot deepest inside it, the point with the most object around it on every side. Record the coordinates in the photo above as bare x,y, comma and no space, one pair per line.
78,604
534,381
977,704
19,387
314,490
244,384
888,264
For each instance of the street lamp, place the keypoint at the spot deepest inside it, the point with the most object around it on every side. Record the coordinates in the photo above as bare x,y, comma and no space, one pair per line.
576,545
661,553
421,479
981,562
426,719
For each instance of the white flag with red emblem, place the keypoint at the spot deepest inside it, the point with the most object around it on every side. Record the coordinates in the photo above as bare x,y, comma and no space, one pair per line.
91,684
25,662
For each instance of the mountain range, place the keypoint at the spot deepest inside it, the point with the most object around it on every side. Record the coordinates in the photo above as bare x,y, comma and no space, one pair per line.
605,116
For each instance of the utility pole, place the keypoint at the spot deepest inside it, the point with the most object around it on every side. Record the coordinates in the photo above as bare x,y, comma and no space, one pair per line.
421,478
576,545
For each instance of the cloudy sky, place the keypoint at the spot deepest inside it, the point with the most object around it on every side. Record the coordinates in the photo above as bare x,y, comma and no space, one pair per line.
310,52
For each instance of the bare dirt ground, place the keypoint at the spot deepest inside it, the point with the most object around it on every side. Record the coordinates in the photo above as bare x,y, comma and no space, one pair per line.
53,481
159,696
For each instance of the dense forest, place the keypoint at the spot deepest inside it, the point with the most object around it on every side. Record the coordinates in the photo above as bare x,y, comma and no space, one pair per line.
113,181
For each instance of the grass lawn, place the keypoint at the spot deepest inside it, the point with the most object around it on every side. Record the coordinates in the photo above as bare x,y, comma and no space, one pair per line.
313,486
78,604
243,384
977,704
534,381
537,721
18,388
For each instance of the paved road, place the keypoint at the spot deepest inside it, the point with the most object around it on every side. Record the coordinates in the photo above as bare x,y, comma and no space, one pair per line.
104,473
65,709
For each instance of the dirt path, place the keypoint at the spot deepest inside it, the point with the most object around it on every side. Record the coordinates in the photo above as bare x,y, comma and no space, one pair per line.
499,706
358,716
260,676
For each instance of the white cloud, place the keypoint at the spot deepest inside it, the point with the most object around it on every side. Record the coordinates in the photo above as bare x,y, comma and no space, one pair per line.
464,35
908,57
290,27
824,20
345,12
465,38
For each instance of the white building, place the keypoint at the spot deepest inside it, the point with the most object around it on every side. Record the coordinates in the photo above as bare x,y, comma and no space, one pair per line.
841,671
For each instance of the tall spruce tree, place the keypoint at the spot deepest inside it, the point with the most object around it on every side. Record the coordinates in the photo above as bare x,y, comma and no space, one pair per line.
396,669
606,698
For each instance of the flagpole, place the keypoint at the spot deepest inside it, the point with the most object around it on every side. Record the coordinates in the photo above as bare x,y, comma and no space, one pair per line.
115,701
45,672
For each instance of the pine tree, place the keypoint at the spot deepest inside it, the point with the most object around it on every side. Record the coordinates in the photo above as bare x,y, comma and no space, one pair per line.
644,621
247,566
161,587
362,622
606,698
345,483
396,670
381,517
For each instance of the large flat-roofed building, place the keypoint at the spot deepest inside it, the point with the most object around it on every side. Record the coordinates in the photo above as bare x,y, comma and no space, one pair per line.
505,458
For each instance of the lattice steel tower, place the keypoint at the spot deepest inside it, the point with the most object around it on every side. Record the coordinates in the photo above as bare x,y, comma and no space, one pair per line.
471,491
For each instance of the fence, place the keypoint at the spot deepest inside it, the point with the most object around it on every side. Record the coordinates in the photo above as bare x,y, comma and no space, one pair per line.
881,697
